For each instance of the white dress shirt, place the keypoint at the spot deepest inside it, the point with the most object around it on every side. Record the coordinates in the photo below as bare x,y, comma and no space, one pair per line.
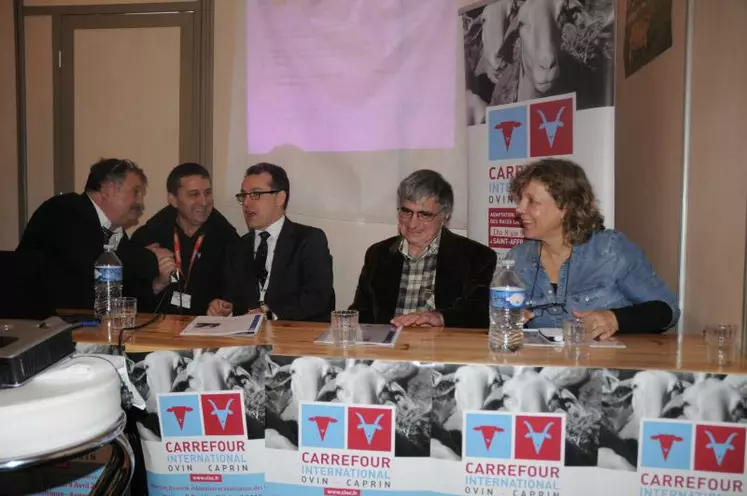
274,231
105,222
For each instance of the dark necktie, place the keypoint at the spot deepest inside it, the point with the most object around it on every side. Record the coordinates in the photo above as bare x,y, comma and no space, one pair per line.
107,234
260,259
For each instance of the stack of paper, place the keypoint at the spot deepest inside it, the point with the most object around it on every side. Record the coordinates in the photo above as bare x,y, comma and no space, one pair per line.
243,325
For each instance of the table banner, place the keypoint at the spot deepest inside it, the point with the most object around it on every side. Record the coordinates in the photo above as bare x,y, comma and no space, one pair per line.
515,430
673,433
347,427
203,428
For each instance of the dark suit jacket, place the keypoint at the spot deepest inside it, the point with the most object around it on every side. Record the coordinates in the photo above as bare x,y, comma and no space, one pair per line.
206,280
300,286
464,272
66,231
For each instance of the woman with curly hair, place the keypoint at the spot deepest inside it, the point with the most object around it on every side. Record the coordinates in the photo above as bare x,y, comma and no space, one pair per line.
572,266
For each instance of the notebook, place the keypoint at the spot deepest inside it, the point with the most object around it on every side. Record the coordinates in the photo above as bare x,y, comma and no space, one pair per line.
552,337
242,325
370,335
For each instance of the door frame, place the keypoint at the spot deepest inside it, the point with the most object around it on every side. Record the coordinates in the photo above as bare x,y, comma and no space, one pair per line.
64,179
199,53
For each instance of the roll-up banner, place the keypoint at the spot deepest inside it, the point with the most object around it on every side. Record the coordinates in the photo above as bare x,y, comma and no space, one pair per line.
539,83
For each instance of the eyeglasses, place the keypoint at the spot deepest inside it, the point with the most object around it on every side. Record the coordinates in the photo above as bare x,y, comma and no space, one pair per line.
406,214
549,308
254,195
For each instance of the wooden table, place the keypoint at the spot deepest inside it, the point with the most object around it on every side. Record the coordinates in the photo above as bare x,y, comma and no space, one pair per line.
442,345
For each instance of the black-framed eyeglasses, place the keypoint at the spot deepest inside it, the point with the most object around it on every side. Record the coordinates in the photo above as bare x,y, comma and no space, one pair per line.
550,308
254,195
423,215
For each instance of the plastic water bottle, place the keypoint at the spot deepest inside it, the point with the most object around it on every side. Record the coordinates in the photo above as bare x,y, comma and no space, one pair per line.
107,274
507,301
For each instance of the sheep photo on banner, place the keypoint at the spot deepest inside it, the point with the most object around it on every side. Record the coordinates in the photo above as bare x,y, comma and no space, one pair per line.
348,427
539,83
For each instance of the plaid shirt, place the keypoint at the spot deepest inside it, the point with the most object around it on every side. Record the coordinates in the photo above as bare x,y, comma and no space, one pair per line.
418,282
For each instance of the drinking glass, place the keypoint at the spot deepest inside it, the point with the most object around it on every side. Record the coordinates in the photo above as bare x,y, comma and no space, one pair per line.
344,324
124,312
721,343
576,339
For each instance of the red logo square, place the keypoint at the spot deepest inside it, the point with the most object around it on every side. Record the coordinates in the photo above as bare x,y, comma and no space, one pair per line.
223,414
370,428
539,438
551,128
719,448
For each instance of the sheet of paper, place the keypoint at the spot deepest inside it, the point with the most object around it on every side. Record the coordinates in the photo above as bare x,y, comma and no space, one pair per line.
241,325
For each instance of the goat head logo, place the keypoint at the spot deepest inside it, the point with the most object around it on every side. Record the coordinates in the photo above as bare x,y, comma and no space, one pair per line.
322,423
538,438
488,433
221,414
369,429
720,449
179,411
665,442
551,127
507,130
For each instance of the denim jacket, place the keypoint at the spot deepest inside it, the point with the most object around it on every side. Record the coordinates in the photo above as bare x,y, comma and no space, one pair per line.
606,272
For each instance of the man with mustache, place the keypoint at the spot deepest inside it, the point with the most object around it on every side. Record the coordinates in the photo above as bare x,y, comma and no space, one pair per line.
71,229
192,231
280,268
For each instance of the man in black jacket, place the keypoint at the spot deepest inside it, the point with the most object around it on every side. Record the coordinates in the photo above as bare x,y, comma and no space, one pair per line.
280,268
70,231
427,276
197,235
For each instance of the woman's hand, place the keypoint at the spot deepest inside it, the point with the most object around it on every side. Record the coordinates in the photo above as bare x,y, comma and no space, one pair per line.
528,315
602,324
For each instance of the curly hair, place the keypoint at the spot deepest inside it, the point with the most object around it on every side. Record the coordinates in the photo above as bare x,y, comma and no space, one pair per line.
568,185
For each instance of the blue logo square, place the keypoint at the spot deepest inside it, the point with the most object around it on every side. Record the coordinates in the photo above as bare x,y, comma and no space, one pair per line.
180,415
666,445
507,133
488,435
322,425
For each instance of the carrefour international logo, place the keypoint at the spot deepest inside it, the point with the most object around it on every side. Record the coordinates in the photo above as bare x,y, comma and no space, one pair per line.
202,414
365,428
508,436
679,445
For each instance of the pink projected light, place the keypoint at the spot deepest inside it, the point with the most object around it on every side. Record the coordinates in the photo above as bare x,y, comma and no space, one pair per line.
350,75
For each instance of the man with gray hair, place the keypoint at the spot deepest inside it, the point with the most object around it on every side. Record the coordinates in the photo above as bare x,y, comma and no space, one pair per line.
426,276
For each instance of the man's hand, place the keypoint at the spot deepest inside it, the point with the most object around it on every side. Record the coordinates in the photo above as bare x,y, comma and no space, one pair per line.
601,324
420,319
166,266
219,308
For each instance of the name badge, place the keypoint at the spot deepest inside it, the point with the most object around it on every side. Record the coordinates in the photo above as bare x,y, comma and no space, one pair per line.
182,300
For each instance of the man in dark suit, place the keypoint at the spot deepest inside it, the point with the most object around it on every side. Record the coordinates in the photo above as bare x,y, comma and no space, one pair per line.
426,276
198,236
70,231
280,268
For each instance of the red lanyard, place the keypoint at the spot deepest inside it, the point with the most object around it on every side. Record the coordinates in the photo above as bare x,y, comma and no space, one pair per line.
178,255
